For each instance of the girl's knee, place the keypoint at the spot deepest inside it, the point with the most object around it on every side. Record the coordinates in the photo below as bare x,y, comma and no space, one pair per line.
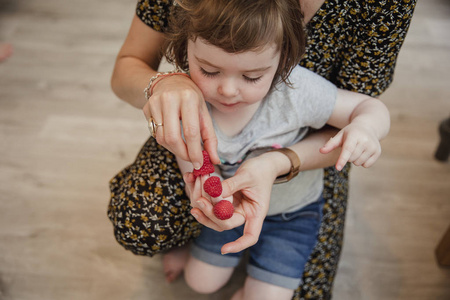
204,278
255,289
199,286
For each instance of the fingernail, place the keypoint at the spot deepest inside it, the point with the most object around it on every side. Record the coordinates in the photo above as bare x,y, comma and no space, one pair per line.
223,253
195,216
197,166
201,204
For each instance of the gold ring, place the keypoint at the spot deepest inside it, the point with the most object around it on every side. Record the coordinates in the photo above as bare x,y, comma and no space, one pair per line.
153,127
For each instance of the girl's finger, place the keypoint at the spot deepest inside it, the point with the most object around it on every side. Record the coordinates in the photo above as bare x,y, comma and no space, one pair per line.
188,182
333,143
347,150
371,160
204,214
204,220
362,158
196,193
357,152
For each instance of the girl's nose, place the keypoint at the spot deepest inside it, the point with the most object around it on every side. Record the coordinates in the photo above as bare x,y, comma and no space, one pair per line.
228,88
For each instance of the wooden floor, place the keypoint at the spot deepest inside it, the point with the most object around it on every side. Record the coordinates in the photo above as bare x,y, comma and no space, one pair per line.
63,135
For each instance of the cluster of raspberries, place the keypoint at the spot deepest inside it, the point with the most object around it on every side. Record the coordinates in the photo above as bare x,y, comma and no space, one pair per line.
223,209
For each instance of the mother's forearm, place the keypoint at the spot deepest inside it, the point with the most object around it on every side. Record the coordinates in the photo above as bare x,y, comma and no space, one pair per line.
129,79
137,62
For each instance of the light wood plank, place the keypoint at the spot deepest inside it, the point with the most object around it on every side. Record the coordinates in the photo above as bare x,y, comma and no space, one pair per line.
64,134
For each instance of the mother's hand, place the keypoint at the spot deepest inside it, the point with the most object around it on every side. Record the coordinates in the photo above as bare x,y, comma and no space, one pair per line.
177,98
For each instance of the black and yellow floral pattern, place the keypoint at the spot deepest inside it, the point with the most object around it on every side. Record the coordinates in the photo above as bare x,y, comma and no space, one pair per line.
149,208
352,43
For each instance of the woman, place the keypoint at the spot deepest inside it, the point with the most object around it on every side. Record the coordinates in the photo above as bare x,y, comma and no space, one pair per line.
354,44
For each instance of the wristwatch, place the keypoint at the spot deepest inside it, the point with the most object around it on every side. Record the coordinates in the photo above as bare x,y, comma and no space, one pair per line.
295,165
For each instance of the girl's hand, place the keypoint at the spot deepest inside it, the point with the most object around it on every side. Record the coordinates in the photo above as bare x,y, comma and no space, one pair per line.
177,98
359,143
251,188
197,195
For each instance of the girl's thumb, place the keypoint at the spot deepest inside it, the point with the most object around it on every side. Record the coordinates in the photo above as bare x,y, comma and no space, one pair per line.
232,185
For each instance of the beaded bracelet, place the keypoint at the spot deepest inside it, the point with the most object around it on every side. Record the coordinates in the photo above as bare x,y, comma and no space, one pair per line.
148,91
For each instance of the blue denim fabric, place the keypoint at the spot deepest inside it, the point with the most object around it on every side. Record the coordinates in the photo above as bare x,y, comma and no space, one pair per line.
279,256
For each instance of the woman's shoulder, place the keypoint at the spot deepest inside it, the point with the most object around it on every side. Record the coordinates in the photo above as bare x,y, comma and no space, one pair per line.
154,13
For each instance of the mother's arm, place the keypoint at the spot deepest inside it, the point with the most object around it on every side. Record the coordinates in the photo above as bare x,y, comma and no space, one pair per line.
175,98
136,63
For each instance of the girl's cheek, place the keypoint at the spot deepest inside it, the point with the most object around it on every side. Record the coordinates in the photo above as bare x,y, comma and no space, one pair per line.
204,87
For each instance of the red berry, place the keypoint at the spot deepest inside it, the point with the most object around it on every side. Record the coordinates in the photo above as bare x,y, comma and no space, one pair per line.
223,209
207,167
213,186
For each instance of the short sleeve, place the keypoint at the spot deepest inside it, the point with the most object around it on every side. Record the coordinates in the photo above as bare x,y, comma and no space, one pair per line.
370,52
154,13
355,44
314,97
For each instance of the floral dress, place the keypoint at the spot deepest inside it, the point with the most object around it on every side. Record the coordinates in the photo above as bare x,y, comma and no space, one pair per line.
352,43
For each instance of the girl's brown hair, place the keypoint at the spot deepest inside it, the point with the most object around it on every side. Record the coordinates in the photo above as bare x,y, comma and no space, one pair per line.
237,26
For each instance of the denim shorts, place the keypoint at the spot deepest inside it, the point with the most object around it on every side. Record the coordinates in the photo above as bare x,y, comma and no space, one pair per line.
279,256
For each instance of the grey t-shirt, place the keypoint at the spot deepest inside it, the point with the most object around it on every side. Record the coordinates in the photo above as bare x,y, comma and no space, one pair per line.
283,119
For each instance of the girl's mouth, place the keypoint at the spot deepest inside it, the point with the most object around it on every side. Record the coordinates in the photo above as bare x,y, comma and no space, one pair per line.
230,104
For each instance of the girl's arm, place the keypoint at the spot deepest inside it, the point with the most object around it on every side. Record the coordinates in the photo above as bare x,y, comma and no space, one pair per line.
360,109
364,121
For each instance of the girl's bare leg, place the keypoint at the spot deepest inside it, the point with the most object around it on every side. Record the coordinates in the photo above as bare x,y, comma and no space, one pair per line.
254,289
174,262
205,278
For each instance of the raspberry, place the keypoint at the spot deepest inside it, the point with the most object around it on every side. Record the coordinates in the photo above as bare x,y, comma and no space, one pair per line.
213,186
207,167
223,209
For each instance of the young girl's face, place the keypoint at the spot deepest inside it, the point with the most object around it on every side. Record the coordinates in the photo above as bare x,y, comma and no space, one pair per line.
232,81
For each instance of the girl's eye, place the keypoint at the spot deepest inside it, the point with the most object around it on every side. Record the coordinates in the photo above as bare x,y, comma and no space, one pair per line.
252,80
208,74
213,74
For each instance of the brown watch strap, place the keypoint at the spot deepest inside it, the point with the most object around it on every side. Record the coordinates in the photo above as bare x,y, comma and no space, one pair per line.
295,165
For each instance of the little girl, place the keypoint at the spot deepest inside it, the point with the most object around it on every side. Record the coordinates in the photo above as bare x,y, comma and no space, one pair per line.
243,56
